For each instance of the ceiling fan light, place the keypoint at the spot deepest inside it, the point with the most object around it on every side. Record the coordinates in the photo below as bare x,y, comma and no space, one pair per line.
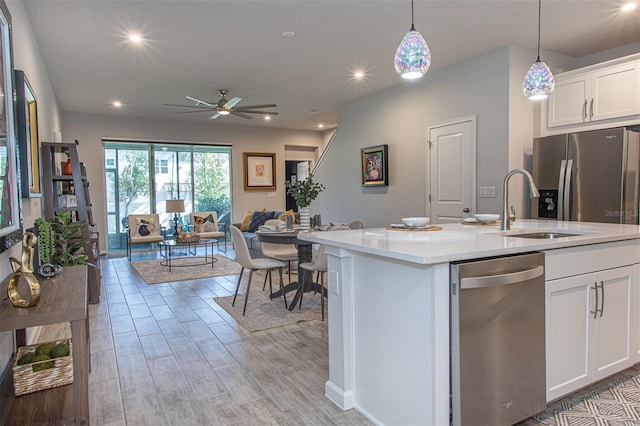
413,57
223,112
539,82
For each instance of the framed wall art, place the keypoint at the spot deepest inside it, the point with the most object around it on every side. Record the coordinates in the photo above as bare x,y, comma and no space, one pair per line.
375,165
10,217
28,144
259,171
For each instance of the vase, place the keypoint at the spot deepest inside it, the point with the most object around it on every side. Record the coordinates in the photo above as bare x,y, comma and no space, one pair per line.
305,217
67,170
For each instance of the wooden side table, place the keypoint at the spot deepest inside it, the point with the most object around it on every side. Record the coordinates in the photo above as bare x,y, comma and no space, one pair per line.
62,299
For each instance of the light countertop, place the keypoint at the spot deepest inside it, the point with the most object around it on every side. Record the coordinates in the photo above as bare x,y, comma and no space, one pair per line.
461,242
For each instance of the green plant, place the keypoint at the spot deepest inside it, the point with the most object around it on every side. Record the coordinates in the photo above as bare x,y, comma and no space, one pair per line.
304,191
62,240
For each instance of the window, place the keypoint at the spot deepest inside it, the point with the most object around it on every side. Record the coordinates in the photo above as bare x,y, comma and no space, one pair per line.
198,174
162,166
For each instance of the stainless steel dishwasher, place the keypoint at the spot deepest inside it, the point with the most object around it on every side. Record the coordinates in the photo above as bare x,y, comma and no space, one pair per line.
497,340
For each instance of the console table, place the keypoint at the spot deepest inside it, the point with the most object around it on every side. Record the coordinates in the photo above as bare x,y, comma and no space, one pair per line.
62,299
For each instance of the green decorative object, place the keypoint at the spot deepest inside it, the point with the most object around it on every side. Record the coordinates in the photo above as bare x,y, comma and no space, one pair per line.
304,191
63,240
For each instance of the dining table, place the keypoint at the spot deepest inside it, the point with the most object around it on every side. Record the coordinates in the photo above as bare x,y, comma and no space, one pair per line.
305,250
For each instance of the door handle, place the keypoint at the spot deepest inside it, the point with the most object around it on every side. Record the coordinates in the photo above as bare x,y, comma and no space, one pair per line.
466,210
602,298
599,300
563,170
595,312
567,189
502,279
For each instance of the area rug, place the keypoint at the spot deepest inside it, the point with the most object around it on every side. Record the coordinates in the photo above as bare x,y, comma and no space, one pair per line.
616,402
264,313
153,273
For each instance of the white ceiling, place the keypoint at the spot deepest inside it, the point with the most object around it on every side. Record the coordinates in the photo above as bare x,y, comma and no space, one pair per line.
197,47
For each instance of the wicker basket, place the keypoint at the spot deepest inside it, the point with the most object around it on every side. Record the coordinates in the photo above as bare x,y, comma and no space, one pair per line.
25,380
188,238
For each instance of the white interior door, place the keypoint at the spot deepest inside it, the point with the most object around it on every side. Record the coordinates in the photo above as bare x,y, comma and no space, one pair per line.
452,170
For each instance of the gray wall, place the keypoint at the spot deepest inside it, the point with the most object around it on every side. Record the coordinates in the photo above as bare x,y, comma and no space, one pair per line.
399,117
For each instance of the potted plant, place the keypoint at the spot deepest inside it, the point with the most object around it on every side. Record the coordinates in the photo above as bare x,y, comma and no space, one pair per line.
59,240
304,192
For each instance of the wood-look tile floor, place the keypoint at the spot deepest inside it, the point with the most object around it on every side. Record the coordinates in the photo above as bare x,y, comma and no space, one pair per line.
167,354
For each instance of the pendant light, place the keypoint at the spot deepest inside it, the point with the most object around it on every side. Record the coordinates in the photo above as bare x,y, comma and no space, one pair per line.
539,81
413,57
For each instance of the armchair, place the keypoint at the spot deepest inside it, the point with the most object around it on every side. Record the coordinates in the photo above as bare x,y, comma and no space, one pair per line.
143,229
206,226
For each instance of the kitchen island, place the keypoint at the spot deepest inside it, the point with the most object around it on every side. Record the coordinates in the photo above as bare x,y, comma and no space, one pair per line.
389,307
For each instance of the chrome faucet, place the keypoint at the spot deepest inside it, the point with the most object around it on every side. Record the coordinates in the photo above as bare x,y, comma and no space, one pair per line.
505,224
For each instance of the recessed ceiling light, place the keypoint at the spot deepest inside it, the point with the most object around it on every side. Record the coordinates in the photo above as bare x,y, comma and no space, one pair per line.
628,6
288,34
267,118
320,126
135,38
358,74
116,104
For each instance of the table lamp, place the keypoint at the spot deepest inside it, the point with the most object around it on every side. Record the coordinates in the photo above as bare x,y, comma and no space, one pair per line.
175,207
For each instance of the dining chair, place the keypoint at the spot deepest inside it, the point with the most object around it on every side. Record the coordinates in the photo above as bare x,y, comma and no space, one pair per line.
318,265
282,252
247,262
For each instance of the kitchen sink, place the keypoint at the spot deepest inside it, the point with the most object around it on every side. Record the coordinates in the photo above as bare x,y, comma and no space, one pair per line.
544,235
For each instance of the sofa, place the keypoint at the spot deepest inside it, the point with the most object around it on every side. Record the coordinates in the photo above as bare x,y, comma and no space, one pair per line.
252,221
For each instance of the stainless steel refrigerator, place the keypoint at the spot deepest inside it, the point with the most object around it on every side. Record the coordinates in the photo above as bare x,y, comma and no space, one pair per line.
588,176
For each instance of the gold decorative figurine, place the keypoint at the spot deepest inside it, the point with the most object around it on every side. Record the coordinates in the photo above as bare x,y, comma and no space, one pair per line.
24,270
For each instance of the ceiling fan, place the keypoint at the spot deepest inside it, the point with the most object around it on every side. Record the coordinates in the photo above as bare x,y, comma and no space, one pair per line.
225,107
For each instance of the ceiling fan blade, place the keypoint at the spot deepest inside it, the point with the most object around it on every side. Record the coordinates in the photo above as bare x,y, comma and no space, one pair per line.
214,116
232,102
244,111
245,107
198,101
241,114
191,112
191,106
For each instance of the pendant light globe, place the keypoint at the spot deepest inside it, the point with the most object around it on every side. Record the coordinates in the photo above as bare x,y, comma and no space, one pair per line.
413,57
539,82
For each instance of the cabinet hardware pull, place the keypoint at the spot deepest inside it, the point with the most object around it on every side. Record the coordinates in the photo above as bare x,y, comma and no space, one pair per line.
591,109
602,299
595,312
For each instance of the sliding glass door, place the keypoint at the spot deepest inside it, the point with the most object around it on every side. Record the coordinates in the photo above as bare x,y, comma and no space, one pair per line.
141,177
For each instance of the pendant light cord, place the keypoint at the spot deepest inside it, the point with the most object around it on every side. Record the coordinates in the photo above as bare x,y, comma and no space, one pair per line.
413,28
539,18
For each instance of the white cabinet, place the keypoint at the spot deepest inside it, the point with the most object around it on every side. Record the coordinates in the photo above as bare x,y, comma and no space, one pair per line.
611,92
590,328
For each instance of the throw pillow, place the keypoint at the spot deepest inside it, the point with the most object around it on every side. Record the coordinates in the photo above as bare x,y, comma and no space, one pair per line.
144,227
200,220
258,219
284,215
206,227
244,226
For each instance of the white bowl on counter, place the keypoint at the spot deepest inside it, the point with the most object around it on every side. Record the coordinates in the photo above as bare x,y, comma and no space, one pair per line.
415,222
487,217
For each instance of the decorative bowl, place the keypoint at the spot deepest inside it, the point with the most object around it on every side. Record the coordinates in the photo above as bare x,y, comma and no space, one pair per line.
487,217
415,222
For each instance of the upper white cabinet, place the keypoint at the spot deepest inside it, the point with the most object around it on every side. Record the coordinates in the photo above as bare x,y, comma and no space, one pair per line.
595,94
